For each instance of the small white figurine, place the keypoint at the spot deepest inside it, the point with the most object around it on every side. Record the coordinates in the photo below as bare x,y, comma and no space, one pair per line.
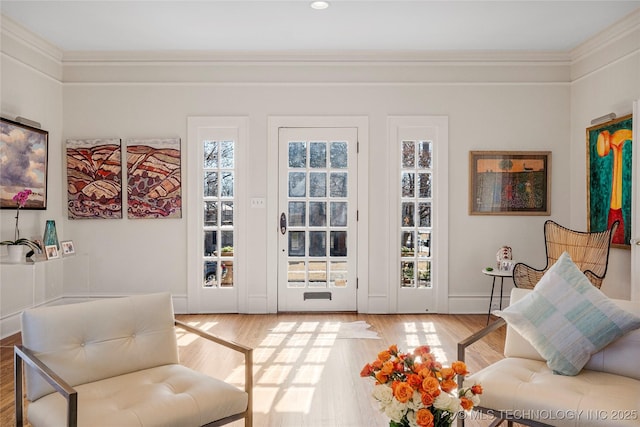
503,254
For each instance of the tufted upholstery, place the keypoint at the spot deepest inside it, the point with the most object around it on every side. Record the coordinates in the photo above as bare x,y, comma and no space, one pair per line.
606,392
121,357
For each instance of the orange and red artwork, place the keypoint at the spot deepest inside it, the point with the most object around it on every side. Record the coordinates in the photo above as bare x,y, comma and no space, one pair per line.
154,184
94,178
509,182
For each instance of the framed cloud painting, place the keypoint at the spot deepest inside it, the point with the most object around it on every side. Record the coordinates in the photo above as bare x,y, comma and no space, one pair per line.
23,164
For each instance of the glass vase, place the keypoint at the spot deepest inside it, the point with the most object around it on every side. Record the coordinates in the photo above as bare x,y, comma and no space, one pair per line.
50,235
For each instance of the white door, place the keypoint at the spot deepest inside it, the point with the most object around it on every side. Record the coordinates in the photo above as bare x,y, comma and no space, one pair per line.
635,206
215,147
317,201
419,225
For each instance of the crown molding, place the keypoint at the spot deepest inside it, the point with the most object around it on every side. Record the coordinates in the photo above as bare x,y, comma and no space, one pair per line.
361,57
16,31
606,37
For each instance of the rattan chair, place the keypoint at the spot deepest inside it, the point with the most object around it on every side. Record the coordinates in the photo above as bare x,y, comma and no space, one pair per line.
589,251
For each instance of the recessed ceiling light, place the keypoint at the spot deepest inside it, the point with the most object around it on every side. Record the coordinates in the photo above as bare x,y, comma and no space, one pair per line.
319,4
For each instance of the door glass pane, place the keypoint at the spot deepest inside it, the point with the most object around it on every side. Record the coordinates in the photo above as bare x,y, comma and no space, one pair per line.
408,184
318,184
406,274
296,277
297,154
211,184
408,209
424,273
317,243
210,274
424,244
297,214
226,273
210,242
296,243
226,241
210,154
210,214
297,184
226,154
317,214
338,214
317,274
424,155
338,186
338,276
338,243
425,185
318,155
408,244
339,155
425,214
227,184
227,213
408,154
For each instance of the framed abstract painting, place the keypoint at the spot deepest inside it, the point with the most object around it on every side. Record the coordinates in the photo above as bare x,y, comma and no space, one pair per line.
609,178
94,178
509,182
154,178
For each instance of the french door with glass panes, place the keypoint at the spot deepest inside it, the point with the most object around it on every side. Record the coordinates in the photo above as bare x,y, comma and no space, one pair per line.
419,220
317,223
212,251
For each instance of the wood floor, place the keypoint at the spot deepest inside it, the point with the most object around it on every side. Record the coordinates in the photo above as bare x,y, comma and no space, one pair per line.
304,374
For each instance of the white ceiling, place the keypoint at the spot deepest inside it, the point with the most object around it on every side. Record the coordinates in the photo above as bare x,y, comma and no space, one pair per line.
347,25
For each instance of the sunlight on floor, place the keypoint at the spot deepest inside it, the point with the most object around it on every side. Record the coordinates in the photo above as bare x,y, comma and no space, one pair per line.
288,364
424,333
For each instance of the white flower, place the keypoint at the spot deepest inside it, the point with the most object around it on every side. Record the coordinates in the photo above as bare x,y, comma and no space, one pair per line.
448,403
395,410
383,394
411,417
415,402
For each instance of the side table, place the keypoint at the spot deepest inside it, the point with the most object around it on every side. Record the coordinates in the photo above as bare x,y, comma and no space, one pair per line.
501,274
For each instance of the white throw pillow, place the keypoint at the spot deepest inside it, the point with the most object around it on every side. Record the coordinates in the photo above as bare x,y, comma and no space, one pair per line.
567,319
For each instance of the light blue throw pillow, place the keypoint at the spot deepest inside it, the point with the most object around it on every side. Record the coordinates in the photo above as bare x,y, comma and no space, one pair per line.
567,319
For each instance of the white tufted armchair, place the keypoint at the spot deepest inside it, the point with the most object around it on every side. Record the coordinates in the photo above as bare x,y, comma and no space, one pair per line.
115,362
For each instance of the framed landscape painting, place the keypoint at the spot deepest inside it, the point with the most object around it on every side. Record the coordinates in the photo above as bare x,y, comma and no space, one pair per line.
609,178
509,182
23,164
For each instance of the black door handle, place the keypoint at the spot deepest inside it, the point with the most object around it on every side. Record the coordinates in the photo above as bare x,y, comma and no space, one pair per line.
283,223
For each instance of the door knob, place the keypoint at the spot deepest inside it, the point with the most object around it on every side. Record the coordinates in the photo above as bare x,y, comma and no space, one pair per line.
635,241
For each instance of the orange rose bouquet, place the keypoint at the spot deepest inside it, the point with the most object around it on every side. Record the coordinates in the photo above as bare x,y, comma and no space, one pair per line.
414,390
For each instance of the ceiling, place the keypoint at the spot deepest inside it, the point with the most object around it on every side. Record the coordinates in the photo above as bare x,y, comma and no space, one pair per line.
347,25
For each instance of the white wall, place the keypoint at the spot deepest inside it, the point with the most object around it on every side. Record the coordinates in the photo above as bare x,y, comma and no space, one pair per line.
30,87
493,101
605,79
495,107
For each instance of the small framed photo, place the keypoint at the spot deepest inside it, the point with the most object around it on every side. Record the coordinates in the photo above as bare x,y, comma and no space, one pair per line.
67,248
51,251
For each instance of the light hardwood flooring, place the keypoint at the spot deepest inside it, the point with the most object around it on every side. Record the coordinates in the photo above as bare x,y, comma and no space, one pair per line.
303,374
